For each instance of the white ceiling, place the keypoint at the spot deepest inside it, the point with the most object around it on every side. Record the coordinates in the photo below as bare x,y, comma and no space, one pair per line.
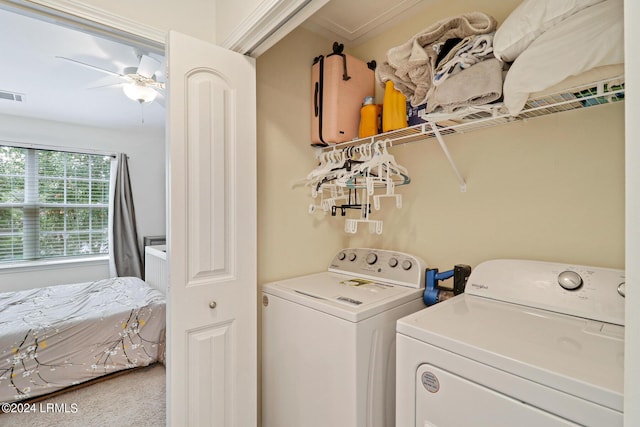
58,90
54,89
355,21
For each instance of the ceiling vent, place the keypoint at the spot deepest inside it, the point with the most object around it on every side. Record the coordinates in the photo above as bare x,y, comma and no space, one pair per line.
11,96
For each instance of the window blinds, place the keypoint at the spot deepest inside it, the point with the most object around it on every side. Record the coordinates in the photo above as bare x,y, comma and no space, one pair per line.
52,204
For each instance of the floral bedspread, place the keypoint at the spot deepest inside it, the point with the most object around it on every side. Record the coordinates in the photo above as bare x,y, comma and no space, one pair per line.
58,336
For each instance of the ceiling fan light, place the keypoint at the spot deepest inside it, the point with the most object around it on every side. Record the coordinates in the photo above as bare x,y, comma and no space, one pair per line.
140,93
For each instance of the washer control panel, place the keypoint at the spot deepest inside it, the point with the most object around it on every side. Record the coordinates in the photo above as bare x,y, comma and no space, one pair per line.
590,292
382,265
570,280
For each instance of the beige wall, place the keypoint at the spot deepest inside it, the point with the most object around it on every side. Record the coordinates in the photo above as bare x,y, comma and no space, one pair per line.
193,17
290,241
230,14
550,188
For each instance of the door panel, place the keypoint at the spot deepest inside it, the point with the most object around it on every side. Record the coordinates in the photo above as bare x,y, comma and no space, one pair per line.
211,330
209,354
209,181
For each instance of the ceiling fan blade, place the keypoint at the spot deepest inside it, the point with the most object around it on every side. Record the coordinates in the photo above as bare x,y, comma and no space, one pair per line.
105,86
93,67
158,86
148,66
160,99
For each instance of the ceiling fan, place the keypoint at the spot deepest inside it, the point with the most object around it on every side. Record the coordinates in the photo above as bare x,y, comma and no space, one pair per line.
140,83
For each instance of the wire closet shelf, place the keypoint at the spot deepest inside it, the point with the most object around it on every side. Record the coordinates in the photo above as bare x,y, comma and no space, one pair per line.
437,125
478,117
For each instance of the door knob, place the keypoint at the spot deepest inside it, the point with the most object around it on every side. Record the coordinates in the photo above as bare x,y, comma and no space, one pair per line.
212,304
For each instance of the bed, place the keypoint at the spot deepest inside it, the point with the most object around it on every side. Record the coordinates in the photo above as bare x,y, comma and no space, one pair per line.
59,336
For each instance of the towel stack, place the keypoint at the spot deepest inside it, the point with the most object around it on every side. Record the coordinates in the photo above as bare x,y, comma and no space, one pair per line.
448,65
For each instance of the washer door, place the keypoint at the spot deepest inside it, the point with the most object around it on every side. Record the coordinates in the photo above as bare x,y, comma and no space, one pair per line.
446,400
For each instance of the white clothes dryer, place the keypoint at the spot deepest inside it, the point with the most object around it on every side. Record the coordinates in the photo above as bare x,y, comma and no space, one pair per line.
528,344
328,340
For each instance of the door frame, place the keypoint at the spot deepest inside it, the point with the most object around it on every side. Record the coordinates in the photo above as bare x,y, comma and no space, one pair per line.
82,16
269,22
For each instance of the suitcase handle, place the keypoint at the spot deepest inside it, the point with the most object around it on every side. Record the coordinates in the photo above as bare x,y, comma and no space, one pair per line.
337,50
315,99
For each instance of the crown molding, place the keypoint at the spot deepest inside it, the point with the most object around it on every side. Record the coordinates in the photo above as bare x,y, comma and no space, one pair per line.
87,16
268,23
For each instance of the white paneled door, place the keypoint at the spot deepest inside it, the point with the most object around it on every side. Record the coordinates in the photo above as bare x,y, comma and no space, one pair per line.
211,330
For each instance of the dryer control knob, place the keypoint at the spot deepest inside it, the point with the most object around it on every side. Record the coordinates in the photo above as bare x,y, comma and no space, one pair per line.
372,258
406,264
570,280
393,262
352,256
342,256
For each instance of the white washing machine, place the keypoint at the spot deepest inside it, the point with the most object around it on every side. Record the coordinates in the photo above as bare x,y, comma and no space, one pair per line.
528,344
328,340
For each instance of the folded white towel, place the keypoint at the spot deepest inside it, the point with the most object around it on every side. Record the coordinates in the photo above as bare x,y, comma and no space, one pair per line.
468,52
477,85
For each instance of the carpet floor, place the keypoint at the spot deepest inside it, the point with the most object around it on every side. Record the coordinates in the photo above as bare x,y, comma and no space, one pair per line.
136,398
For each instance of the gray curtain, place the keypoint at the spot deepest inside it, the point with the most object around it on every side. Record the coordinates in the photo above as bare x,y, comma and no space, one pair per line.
125,250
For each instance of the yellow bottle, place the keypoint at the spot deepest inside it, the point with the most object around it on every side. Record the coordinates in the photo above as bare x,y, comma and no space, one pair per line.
394,108
369,118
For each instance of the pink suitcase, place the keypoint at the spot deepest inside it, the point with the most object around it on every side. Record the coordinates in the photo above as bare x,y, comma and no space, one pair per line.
339,84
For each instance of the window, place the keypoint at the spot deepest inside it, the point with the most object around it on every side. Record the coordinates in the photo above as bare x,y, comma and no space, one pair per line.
52,204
